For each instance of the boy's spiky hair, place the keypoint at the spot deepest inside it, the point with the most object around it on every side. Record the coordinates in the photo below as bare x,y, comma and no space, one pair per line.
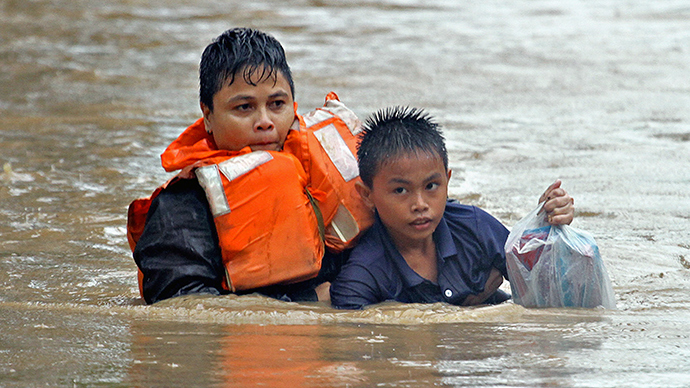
396,131
243,52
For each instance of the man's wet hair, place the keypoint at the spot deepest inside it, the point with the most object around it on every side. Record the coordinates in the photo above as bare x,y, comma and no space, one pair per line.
397,131
248,53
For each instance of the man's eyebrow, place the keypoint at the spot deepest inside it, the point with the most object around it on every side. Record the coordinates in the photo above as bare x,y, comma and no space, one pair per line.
246,97
278,94
241,97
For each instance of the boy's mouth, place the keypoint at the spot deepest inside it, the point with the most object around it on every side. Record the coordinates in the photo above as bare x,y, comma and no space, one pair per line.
421,223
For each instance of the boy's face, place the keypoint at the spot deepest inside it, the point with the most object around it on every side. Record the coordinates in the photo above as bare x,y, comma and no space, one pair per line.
409,193
247,115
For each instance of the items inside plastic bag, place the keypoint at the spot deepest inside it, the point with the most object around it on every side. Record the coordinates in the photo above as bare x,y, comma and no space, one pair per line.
555,266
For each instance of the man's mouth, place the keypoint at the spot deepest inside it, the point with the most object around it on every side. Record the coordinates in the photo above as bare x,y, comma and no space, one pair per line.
265,146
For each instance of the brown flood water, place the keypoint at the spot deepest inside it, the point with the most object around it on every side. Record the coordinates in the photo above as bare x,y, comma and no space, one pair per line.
595,93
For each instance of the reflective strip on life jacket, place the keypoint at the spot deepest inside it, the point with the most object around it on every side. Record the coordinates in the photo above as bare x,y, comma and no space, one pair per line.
209,177
337,151
335,107
326,146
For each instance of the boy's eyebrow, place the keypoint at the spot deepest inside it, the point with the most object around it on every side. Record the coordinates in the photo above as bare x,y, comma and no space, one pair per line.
399,180
431,177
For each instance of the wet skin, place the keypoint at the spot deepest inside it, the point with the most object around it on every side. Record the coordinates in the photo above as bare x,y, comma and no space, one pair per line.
409,193
258,116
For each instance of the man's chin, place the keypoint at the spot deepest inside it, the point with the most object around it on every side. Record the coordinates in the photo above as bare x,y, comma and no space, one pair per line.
266,147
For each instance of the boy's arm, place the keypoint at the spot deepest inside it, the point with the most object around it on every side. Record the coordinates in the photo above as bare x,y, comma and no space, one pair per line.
178,252
492,283
492,235
354,288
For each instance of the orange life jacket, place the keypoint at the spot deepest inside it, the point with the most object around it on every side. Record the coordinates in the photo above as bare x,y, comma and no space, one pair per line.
327,147
264,203
267,224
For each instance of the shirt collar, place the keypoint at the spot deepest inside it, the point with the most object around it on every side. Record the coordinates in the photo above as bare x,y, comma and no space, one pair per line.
444,249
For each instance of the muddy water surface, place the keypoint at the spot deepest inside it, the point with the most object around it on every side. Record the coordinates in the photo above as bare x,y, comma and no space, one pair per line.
595,93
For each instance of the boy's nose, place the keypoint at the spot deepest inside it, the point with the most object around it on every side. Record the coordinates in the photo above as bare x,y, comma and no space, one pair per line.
420,203
263,121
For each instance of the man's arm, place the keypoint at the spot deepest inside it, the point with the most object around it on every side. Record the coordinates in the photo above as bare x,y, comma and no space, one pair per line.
178,253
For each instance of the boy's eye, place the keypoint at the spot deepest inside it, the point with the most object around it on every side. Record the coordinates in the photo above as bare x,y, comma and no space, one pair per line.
432,186
399,190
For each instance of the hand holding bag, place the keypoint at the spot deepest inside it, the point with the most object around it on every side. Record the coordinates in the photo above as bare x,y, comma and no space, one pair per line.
555,266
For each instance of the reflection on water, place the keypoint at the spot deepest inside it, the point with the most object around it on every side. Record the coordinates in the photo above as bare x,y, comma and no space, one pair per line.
144,347
596,94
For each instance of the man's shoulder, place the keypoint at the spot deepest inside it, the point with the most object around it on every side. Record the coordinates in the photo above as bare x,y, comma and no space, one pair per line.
183,187
184,196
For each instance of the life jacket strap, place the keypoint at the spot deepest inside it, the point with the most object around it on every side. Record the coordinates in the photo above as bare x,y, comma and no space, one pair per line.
319,216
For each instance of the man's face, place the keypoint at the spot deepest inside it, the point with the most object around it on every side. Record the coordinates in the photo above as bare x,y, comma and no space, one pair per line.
409,193
248,115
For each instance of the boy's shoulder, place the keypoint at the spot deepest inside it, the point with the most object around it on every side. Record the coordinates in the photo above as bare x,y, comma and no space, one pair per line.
367,273
371,247
455,211
374,254
471,217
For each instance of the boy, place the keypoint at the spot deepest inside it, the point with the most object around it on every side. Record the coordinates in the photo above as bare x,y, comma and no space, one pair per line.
423,248
189,236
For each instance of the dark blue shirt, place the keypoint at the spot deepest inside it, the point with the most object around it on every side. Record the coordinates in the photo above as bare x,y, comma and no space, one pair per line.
469,242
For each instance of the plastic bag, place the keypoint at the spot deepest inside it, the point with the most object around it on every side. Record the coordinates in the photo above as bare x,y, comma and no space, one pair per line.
555,266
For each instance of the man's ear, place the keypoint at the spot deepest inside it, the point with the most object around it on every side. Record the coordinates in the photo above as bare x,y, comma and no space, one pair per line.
207,113
449,173
364,192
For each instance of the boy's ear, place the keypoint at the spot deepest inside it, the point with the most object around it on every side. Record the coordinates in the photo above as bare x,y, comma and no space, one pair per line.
365,193
450,172
206,111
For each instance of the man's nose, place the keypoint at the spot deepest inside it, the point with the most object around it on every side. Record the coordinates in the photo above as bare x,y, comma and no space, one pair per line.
264,122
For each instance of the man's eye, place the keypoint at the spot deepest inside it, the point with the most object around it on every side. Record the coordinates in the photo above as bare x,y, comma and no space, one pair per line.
243,107
277,104
432,186
399,190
